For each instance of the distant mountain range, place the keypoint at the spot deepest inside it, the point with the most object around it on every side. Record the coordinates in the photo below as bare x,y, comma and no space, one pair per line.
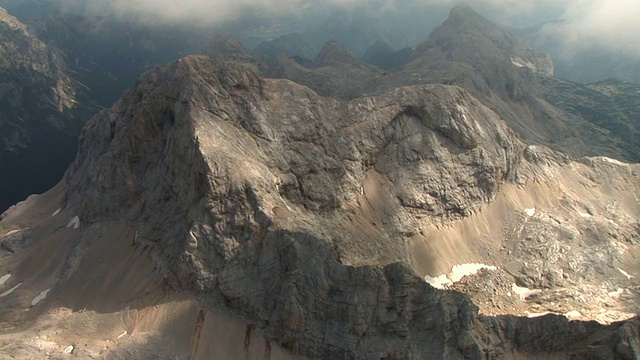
496,66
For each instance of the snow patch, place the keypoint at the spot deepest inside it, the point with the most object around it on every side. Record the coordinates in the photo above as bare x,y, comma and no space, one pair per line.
611,161
42,296
530,212
626,274
457,273
584,215
74,222
521,63
125,333
438,282
573,314
4,279
616,294
535,315
460,271
524,292
68,349
56,212
12,232
10,291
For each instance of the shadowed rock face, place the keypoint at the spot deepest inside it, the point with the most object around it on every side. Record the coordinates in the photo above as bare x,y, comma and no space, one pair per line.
382,55
293,210
292,45
37,132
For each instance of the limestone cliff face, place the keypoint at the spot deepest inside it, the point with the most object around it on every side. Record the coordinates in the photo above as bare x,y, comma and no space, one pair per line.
294,210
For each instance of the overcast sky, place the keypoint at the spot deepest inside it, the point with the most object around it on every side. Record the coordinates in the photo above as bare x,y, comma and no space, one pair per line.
213,11
613,24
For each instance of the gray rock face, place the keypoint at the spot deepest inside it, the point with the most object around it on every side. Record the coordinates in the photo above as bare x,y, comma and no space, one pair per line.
465,27
292,210
435,148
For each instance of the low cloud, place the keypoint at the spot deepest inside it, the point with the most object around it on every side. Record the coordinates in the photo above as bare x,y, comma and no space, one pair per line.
216,11
586,23
589,24
194,12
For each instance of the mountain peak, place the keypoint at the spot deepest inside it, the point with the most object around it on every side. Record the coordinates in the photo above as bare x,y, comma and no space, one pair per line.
226,47
332,54
464,16
463,11
468,37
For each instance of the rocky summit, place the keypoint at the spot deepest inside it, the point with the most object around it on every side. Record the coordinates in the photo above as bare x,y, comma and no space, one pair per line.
216,211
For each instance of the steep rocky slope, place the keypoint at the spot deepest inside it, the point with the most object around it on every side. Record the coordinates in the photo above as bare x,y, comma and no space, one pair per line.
310,222
37,127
